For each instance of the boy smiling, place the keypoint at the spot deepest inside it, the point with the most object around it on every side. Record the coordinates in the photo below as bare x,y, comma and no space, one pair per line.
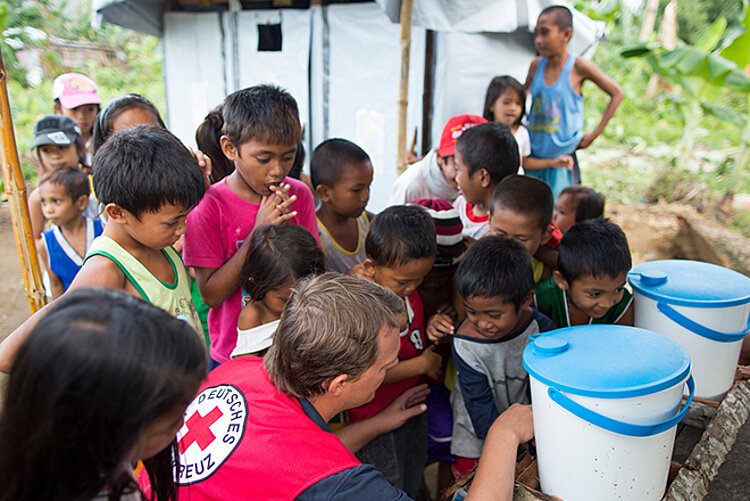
496,283
589,285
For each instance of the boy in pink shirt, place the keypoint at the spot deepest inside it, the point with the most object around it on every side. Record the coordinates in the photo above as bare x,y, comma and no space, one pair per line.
261,132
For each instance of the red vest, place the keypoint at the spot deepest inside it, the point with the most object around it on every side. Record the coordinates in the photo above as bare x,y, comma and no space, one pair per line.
412,345
246,440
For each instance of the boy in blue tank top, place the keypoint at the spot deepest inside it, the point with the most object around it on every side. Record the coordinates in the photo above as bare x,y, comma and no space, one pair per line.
64,196
555,82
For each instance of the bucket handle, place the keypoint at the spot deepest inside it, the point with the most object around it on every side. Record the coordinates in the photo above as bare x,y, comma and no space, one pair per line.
615,426
693,326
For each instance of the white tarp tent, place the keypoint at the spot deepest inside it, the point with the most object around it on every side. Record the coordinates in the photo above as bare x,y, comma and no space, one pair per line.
341,63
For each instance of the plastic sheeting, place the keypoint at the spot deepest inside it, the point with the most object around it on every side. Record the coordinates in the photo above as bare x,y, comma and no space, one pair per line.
356,98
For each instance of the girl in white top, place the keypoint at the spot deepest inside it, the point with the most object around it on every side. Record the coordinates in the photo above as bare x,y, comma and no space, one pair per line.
505,102
279,256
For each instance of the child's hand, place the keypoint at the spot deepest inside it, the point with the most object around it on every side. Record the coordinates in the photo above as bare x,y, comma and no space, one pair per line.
274,209
431,362
563,162
586,141
438,326
743,372
204,162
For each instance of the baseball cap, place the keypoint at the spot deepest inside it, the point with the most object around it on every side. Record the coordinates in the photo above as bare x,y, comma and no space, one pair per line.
74,89
453,129
448,229
55,129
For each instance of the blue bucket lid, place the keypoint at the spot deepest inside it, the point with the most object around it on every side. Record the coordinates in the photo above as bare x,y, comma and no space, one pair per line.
690,283
606,361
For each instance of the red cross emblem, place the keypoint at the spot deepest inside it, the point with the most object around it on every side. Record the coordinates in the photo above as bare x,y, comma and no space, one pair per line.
199,430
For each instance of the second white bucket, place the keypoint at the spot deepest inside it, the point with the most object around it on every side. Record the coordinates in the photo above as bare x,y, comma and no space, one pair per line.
702,306
606,402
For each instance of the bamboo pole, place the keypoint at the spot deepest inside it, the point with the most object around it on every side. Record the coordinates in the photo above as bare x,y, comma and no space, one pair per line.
407,7
15,189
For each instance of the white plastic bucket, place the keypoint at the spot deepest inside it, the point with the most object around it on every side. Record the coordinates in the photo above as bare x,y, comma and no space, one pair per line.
704,307
605,425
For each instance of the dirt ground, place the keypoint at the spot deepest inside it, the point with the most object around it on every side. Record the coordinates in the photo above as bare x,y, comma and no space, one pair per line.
14,307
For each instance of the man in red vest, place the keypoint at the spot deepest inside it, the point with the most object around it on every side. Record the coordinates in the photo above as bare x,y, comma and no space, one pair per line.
257,427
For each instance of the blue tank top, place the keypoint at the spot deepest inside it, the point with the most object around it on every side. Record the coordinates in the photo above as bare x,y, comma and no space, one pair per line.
556,120
64,261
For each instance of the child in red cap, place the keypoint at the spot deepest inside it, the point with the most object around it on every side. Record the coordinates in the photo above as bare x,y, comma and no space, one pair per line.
435,175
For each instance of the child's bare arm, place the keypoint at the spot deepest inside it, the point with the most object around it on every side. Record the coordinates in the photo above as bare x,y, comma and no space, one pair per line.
428,363
590,71
35,214
561,162
97,271
404,407
530,75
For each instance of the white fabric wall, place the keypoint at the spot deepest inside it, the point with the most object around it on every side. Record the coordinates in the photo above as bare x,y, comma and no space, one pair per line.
193,70
364,86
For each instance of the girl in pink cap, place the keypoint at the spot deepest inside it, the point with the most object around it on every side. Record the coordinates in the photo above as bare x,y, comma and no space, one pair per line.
76,96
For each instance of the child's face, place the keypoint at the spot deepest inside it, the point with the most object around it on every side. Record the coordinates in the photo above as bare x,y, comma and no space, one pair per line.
592,295
549,38
471,186
507,107
493,317
54,156
84,116
565,212
448,168
159,434
521,227
58,206
349,195
160,229
132,117
276,299
259,164
402,279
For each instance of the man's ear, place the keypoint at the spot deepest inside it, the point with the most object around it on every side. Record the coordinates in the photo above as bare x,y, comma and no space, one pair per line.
560,280
115,213
229,149
323,193
547,234
336,385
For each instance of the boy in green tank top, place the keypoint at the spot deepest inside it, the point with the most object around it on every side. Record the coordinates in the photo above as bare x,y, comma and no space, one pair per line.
147,181
589,285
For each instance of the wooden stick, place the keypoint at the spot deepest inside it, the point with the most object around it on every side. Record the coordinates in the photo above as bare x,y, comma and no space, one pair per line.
407,7
15,189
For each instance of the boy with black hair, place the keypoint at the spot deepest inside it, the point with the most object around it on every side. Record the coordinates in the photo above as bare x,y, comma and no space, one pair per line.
555,83
341,173
261,135
401,248
64,197
485,155
589,285
148,182
497,286
522,209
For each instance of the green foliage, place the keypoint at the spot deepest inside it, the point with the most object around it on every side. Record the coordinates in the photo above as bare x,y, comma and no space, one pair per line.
139,71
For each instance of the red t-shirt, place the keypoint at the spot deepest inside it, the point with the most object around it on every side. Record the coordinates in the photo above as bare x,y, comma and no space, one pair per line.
412,345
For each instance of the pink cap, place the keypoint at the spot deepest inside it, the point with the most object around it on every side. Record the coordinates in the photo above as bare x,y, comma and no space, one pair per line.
74,89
